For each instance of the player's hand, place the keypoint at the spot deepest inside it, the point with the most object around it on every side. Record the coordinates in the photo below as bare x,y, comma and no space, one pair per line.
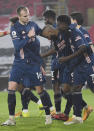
63,59
43,71
31,33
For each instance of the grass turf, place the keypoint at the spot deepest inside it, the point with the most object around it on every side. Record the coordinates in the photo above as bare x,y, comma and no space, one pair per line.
36,122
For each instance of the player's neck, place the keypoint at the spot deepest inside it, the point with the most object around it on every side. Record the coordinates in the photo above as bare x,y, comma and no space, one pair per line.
78,26
22,23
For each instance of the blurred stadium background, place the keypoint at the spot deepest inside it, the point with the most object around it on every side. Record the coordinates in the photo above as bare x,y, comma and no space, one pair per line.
37,7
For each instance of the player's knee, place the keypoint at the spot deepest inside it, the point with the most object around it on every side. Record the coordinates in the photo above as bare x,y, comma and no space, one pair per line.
20,88
56,88
39,89
12,86
66,88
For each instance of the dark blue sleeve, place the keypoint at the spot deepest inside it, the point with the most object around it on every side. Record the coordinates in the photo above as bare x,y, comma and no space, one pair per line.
87,36
78,41
38,30
18,41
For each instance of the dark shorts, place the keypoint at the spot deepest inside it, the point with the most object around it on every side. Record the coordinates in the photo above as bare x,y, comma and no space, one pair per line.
26,74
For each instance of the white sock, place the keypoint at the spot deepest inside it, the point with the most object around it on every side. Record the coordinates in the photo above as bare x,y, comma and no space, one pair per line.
48,116
58,112
25,110
11,117
51,108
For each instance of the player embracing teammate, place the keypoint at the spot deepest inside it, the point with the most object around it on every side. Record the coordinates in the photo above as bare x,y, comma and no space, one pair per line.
74,64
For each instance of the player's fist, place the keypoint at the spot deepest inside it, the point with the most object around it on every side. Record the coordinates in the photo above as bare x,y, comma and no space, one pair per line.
31,33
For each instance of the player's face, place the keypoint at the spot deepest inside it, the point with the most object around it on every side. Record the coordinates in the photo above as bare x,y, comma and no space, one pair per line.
24,16
61,26
48,21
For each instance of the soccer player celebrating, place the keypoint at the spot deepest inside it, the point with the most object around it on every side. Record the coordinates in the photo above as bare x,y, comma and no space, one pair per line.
27,63
50,18
77,18
21,89
80,67
75,62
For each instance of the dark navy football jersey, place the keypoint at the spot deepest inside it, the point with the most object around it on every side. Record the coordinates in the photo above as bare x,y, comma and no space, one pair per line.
63,45
25,47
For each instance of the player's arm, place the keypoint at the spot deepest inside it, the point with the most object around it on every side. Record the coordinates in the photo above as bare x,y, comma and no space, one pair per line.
18,41
4,33
80,51
43,71
50,52
87,36
79,44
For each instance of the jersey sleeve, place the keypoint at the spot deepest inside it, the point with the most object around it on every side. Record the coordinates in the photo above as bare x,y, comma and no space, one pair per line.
38,30
87,36
78,40
18,41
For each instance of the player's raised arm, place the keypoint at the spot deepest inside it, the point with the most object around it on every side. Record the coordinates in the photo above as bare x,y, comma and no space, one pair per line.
48,53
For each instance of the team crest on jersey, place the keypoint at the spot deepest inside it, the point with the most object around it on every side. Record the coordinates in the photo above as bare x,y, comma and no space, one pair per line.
14,34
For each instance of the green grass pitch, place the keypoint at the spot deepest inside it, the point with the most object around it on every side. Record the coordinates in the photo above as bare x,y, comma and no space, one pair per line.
36,122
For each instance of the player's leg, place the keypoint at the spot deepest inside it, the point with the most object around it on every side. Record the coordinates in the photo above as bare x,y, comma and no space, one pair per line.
57,97
67,83
57,91
78,81
88,109
77,104
46,101
15,77
11,103
68,104
26,97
